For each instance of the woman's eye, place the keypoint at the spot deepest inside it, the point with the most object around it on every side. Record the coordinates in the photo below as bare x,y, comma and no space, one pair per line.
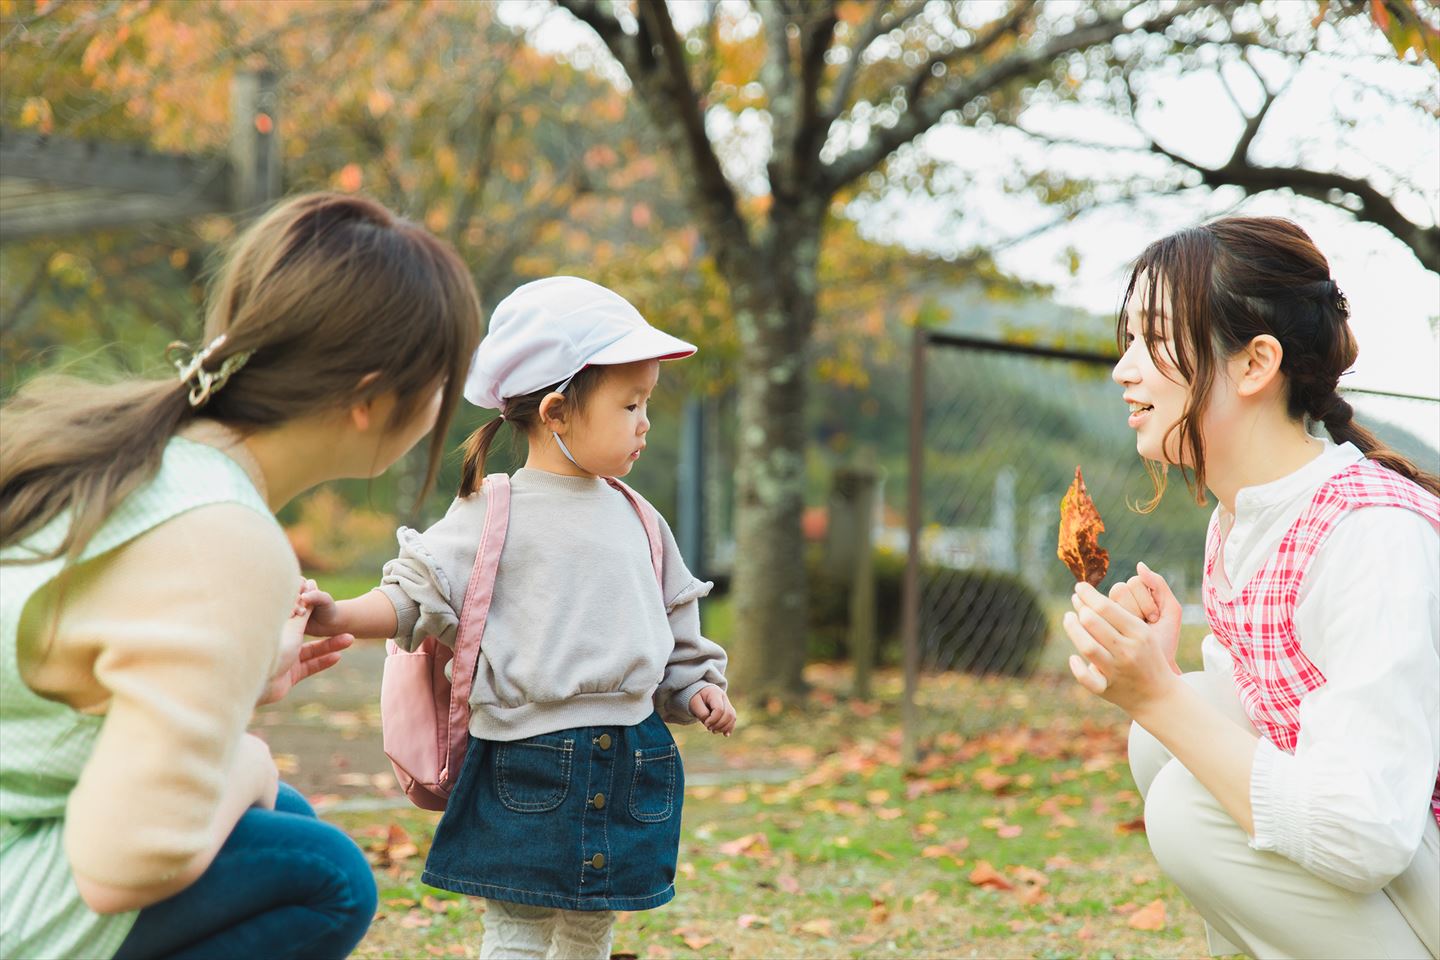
633,407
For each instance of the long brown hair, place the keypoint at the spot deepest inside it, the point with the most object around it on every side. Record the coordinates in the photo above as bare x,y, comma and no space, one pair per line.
523,414
1229,281
339,300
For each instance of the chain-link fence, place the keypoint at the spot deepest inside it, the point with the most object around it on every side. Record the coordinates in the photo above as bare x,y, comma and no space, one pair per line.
1004,427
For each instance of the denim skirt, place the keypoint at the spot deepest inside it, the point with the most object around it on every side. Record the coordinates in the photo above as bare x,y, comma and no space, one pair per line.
582,819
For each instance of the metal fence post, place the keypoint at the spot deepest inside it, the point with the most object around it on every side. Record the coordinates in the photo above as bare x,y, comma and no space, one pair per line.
910,613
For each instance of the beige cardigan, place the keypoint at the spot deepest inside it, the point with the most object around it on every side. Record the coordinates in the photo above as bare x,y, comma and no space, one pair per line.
173,637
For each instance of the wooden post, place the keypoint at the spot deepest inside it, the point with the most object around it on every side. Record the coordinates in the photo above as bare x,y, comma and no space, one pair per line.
254,142
861,482
910,615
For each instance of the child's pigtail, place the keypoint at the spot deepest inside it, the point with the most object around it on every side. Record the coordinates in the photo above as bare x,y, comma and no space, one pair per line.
477,448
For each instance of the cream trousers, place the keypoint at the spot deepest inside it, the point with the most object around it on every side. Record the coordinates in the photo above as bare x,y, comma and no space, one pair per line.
514,931
1260,903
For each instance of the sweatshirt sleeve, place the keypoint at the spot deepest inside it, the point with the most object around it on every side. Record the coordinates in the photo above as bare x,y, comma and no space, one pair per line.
1352,802
427,581
695,662
183,661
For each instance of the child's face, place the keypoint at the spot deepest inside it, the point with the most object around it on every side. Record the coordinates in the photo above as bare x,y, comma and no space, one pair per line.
1156,392
610,433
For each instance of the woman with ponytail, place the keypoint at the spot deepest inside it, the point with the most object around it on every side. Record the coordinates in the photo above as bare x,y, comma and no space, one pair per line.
1291,786
149,598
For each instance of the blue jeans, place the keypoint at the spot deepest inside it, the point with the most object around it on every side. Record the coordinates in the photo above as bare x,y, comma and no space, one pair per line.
284,885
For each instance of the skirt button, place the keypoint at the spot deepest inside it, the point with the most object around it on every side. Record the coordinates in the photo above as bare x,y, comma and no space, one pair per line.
597,861
598,801
604,741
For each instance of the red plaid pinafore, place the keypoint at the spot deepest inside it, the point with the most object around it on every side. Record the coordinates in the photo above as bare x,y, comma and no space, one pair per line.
1257,625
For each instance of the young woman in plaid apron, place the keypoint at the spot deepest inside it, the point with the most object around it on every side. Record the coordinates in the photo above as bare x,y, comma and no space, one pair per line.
1291,786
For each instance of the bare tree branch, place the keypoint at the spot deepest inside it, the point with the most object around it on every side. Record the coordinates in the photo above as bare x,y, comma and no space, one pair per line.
992,33
655,61
921,116
881,21
1374,206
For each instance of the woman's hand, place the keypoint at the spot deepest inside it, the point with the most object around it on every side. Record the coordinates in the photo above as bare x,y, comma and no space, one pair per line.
299,659
1148,596
712,707
1131,659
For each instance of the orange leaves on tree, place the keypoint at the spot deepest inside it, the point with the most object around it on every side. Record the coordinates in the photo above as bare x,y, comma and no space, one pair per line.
1080,529
350,177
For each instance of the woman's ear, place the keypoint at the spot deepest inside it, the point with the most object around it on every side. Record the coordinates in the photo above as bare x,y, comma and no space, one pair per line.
1257,365
361,409
552,412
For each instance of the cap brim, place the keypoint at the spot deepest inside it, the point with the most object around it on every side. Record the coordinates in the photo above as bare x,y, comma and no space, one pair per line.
644,344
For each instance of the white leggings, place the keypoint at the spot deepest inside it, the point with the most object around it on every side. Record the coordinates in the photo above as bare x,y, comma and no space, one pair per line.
514,931
1261,903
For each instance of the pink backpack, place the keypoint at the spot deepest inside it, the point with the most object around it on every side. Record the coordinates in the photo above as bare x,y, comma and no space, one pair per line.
424,717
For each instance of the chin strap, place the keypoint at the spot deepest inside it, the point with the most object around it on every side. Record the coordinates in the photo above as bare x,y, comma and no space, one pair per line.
565,450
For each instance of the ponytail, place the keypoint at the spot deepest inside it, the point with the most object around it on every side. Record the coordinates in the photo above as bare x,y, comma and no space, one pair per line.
477,448
1339,419
71,443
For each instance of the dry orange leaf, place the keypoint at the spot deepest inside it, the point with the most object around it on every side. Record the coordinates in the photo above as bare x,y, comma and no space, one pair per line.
821,927
985,875
1080,529
1149,917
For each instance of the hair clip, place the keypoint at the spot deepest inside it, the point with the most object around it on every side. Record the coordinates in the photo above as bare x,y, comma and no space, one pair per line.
204,383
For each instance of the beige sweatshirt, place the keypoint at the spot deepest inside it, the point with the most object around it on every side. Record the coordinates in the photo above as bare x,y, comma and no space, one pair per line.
173,636
579,631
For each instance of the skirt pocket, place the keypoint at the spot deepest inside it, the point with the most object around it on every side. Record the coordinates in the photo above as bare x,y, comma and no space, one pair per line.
652,789
533,776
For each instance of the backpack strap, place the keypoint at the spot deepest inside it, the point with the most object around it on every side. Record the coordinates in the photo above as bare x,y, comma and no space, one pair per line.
476,608
650,519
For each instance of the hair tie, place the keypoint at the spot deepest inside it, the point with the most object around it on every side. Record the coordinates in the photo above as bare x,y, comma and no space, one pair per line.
1337,412
204,383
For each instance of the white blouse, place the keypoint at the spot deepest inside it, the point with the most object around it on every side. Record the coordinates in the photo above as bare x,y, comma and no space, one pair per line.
1353,801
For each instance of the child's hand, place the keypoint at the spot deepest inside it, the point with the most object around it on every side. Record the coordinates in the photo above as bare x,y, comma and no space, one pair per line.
325,616
298,659
711,707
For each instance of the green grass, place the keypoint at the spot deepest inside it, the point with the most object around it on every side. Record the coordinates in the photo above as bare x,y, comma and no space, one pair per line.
853,856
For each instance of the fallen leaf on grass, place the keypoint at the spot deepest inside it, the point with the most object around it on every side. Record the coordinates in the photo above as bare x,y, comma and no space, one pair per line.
822,927
1131,826
992,781
1031,895
926,898
696,941
435,904
750,845
748,920
1149,917
415,919
657,952
787,883
1059,862
1086,932
985,875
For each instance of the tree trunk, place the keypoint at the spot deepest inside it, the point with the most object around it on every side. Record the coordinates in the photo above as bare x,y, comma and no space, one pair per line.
775,315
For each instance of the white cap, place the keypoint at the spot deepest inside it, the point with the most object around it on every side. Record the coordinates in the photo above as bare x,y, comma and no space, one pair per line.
549,330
